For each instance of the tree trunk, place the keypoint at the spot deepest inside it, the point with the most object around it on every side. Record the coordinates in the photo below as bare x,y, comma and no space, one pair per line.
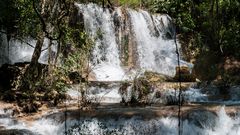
33,71
37,49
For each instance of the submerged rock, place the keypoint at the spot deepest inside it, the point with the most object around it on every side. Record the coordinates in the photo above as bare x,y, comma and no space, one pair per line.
202,118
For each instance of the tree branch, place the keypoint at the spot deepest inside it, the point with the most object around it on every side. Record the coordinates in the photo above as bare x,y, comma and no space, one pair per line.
21,40
44,27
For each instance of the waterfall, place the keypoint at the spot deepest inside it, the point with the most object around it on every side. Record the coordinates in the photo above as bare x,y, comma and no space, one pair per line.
126,42
123,32
99,25
155,53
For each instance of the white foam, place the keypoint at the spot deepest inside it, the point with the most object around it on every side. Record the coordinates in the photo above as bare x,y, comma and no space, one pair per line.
99,24
225,125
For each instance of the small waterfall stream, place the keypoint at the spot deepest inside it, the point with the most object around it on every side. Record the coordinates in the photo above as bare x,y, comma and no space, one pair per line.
155,53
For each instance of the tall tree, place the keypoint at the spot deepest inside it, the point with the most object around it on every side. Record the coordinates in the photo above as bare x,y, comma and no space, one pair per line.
51,15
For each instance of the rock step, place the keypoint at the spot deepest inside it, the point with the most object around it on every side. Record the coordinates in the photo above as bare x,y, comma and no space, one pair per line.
147,112
160,85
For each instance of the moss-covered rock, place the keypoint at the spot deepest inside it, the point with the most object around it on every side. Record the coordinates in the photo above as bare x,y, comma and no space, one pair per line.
185,74
155,77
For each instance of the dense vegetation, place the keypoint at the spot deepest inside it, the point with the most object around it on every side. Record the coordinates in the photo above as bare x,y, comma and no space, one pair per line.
38,20
210,25
209,31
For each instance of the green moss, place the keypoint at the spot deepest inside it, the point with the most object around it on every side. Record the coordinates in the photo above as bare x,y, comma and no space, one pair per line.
154,77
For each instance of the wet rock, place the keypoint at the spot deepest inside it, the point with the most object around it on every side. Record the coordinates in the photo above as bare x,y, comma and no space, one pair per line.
31,107
8,73
16,132
2,128
234,93
216,92
16,111
76,18
158,94
171,100
212,91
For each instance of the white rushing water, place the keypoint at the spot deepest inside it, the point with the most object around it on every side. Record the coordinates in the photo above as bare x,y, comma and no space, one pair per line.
99,25
154,52
96,94
220,124
111,93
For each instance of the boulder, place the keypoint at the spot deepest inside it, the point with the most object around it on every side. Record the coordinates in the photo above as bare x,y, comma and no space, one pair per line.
155,77
185,74
8,73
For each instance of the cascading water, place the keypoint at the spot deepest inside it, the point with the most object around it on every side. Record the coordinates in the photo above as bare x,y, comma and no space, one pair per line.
99,25
154,51
125,39
195,122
